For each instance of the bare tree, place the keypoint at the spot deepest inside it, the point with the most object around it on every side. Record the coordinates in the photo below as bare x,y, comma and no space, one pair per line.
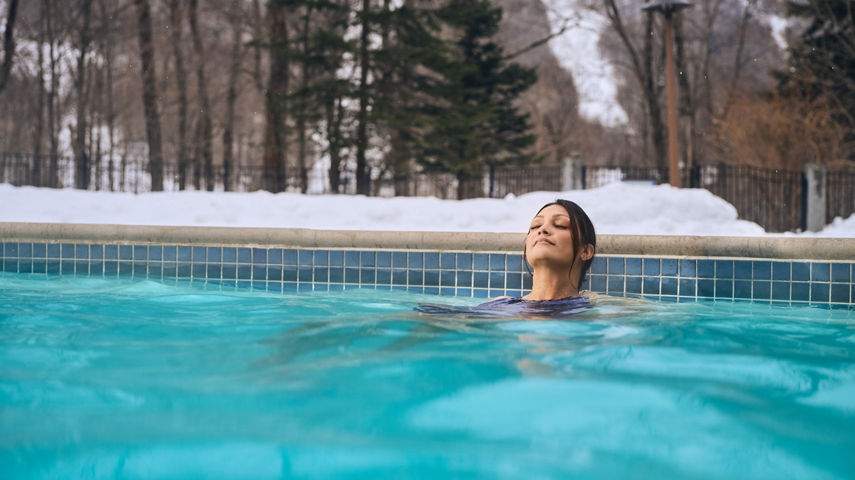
738,58
685,103
53,93
81,157
38,131
642,65
8,44
276,100
206,129
231,96
176,21
258,36
149,95
301,105
723,51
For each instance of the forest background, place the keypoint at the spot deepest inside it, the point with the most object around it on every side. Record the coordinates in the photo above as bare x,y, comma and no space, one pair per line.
196,94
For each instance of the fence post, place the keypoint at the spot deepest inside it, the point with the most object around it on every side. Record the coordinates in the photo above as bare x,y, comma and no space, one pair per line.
814,197
487,181
571,173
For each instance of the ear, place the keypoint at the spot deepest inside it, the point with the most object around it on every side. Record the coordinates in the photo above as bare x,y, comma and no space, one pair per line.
587,252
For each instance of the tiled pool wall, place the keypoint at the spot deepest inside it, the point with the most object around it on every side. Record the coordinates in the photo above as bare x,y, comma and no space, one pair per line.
458,273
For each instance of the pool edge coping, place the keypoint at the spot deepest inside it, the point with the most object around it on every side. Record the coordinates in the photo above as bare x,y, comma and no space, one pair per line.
791,248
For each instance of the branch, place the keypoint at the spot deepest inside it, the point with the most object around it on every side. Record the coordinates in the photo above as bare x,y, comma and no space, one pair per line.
613,14
539,42
737,62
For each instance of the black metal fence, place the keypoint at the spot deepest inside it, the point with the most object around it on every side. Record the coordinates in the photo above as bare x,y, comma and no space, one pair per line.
840,197
771,198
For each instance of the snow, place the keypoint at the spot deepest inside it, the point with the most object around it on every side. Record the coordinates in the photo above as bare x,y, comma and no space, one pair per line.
617,208
779,25
839,228
577,50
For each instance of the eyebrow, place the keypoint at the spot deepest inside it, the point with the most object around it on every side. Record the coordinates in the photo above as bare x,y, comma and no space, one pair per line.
556,215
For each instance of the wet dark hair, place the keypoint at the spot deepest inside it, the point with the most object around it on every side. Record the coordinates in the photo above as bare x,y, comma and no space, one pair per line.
583,234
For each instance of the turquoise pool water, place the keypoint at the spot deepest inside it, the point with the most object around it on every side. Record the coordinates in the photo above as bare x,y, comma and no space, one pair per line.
137,379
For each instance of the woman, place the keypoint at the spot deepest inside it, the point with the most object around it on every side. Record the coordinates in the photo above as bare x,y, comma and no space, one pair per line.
559,248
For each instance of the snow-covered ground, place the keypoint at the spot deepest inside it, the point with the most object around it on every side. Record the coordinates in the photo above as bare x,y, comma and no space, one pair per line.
617,208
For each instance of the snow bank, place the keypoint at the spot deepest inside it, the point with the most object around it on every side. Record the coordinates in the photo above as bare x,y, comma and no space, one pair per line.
617,208
839,228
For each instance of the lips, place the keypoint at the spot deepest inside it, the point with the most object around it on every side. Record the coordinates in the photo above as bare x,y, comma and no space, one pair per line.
543,240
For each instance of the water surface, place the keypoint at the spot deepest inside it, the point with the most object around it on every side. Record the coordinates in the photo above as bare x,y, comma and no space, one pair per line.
122,378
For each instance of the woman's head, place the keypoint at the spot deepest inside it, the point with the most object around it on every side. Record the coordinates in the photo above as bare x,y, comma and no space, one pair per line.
561,236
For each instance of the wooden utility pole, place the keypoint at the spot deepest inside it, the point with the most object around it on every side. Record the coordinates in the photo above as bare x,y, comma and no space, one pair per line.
668,8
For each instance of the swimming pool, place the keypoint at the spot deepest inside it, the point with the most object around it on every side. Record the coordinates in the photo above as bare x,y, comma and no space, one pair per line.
133,378
147,352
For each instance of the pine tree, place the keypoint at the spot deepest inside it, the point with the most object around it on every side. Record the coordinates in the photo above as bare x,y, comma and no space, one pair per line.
405,67
476,123
318,54
822,64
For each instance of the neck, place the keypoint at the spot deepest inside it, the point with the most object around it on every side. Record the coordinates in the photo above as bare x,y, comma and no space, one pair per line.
551,285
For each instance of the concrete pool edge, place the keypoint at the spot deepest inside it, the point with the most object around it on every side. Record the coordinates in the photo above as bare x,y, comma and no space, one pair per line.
789,248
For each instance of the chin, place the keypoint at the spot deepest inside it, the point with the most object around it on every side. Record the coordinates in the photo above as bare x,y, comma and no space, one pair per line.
550,260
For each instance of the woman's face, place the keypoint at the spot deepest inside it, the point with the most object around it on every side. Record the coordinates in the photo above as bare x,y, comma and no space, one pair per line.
550,239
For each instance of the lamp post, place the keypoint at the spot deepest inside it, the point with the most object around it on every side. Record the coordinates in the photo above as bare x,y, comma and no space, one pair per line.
668,8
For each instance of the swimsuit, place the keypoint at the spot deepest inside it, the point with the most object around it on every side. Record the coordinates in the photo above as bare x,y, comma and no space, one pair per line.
515,306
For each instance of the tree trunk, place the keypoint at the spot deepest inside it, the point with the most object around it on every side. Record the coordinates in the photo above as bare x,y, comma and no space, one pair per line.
397,160
81,157
8,44
40,108
94,134
258,35
711,11
651,96
276,101
206,130
334,116
642,67
107,45
176,21
302,104
53,113
686,103
231,98
362,179
149,95
463,190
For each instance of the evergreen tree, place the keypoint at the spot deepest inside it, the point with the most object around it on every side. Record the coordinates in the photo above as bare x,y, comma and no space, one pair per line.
323,92
475,122
318,54
822,64
405,67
